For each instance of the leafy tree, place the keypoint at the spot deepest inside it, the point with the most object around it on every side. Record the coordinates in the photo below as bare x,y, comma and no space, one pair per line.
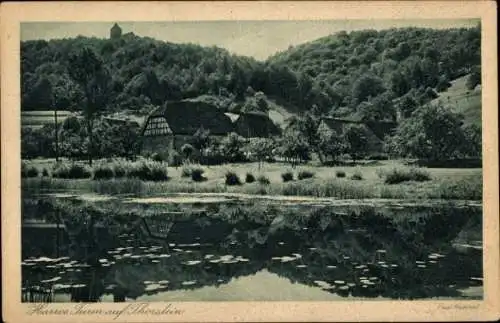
201,139
473,141
232,147
474,78
294,147
356,140
432,132
187,150
367,86
407,105
261,149
332,145
88,70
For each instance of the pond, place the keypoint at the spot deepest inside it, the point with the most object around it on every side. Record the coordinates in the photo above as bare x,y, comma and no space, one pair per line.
235,249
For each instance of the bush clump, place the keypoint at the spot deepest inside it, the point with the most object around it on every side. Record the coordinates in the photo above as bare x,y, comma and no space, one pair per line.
149,171
197,174
186,171
340,174
103,172
287,176
357,176
232,178
305,174
120,169
28,170
158,157
263,180
45,172
249,178
397,176
71,171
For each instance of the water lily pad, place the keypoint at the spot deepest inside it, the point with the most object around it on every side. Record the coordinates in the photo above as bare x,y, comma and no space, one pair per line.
301,266
163,282
103,260
345,287
331,267
188,282
323,284
177,250
208,256
281,243
51,280
381,251
61,286
163,255
78,286
153,287
192,262
422,266
476,278
155,261
419,262
339,282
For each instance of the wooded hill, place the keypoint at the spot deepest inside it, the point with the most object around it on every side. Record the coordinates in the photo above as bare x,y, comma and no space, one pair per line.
362,74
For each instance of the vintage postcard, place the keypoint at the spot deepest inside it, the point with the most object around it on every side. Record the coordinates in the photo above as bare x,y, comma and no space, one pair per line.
249,161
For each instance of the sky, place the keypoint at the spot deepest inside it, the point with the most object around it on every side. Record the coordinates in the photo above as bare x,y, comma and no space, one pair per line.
258,39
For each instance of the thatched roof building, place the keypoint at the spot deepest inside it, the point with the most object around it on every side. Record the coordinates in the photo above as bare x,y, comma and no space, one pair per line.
185,118
255,124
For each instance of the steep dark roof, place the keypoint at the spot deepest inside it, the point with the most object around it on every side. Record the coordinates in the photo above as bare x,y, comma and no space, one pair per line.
187,116
255,124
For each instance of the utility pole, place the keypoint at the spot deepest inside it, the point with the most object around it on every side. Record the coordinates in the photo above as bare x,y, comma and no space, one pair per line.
56,133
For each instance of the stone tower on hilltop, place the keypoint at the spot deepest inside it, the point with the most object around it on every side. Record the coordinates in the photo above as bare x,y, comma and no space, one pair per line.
116,32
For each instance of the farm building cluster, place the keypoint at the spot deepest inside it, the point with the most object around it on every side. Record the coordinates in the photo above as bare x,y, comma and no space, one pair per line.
174,124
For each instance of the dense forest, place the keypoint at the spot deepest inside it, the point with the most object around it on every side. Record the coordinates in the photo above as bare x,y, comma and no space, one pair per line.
361,73
370,76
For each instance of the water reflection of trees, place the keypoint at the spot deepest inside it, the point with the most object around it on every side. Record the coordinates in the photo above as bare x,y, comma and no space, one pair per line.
333,247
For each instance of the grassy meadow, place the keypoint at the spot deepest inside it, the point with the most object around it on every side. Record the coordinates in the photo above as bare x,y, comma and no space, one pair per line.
377,179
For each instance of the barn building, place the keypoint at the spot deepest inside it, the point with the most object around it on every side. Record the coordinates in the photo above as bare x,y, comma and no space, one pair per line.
254,125
171,126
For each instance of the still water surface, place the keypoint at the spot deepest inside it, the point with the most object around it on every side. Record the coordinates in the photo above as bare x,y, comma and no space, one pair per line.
222,251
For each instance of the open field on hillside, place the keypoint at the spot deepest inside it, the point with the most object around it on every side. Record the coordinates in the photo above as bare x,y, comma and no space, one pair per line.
348,182
41,118
462,100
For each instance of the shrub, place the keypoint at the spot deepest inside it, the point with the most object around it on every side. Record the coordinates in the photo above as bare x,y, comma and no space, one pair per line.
45,172
397,176
305,174
103,172
263,180
157,157
71,171
186,171
149,171
340,174
232,178
357,176
197,174
28,170
119,170
249,178
287,176
378,157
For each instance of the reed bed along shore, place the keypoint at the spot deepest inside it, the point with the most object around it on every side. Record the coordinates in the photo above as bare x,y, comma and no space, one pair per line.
147,177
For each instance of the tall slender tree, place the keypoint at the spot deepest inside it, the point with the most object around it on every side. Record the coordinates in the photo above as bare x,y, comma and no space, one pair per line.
88,70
